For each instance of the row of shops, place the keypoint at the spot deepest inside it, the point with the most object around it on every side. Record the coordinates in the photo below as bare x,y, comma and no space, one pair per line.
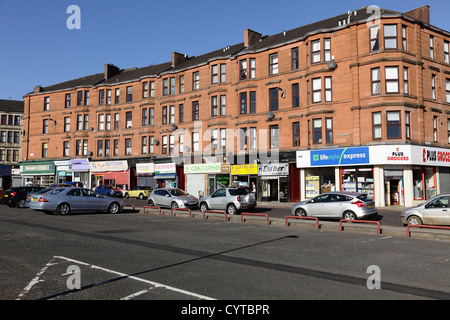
391,174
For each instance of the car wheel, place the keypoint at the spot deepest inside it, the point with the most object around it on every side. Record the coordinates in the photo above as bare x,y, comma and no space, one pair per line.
231,209
141,196
126,196
114,208
300,212
21,203
151,203
203,207
415,220
349,215
63,209
174,205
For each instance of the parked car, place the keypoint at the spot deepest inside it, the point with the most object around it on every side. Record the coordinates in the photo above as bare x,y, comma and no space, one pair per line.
108,191
17,195
28,199
72,199
337,204
233,200
172,198
138,192
433,211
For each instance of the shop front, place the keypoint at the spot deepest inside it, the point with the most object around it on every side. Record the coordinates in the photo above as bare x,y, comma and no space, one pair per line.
80,171
245,175
402,175
205,178
39,173
166,175
63,171
145,173
112,173
274,182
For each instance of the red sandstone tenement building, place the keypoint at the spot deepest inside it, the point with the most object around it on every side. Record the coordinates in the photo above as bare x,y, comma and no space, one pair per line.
357,102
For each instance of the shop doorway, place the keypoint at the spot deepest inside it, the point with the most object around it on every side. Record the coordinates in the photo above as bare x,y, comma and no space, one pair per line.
394,192
269,190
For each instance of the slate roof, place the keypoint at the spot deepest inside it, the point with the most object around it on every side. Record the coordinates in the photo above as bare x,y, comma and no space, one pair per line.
15,106
232,51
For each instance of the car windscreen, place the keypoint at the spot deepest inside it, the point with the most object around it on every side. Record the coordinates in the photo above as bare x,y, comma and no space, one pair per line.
239,192
364,197
177,192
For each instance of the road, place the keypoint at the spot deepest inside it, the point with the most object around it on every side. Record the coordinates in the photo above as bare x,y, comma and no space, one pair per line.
134,256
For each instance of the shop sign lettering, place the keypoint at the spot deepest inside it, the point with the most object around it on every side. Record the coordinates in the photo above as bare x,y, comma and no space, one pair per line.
203,168
347,156
161,168
274,169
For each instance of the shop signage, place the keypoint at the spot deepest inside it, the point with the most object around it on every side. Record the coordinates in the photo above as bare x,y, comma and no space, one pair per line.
242,169
433,156
273,169
80,164
206,168
390,154
37,168
340,157
101,166
145,168
163,168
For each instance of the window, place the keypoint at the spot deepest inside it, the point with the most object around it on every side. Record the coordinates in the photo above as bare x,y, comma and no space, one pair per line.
116,147
181,113
128,146
214,139
129,97
181,143
151,116
223,73
376,126
144,145
66,124
390,36
108,122
86,97
252,61
195,111
181,84
79,98
252,101
108,96
447,90
316,90
448,130
431,47
315,51
317,131
67,105
129,119
78,147
294,59
85,122
195,81
407,124
243,69
46,103
273,63
214,106
404,42
101,122
223,139
433,86
172,86
101,96
393,125
45,126
144,117
374,39
376,81
171,144
405,81
243,102
100,148
116,121
296,134
164,115
145,90
329,130
328,90
44,149
107,148
295,95
391,75
117,96
223,105
435,128
253,139
273,99
214,74
327,49
85,147
171,114
243,139
66,148
165,87
195,142
152,89
446,52
274,143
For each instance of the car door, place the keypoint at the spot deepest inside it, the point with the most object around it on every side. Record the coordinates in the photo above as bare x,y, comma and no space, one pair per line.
76,200
337,205
318,206
216,200
166,198
437,211
92,201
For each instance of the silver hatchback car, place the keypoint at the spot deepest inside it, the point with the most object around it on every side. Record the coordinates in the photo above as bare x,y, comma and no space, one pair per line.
433,211
172,198
233,200
66,200
337,204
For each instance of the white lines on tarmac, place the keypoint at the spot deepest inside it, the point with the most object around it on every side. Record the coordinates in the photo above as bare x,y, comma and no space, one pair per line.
153,285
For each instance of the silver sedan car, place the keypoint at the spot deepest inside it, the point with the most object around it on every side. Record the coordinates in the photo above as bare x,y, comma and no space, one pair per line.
337,204
66,200
233,200
434,211
172,198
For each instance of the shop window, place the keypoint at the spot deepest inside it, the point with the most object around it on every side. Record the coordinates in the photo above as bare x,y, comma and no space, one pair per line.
358,180
424,183
318,181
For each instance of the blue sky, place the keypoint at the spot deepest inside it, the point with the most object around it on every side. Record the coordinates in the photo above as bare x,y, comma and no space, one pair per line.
37,48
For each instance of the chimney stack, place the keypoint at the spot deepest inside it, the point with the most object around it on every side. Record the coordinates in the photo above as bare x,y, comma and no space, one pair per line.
422,14
178,58
111,71
37,89
251,37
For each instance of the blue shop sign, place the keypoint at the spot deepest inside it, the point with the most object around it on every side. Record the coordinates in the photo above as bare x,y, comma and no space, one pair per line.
340,157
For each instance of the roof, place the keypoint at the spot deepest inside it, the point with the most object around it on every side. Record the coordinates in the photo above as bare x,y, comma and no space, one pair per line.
11,106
